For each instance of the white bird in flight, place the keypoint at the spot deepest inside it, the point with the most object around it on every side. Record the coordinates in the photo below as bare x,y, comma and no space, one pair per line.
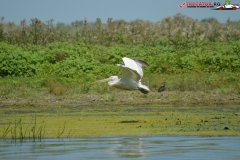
131,76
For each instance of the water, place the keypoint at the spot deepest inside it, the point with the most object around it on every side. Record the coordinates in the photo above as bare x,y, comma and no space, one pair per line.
131,147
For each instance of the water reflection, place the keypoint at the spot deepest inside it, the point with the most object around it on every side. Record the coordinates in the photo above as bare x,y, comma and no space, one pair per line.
125,147
129,147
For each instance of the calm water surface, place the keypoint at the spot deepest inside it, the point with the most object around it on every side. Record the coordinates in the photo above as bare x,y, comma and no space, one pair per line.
164,147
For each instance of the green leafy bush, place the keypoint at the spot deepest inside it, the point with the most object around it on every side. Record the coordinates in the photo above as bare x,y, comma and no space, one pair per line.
78,60
17,62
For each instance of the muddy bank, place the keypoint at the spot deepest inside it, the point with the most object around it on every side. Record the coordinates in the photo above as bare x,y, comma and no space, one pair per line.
123,98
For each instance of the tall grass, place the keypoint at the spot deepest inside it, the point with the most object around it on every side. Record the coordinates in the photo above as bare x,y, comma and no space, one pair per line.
222,82
118,32
18,130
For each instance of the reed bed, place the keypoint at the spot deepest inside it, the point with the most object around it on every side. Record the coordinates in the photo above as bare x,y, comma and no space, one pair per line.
29,128
118,32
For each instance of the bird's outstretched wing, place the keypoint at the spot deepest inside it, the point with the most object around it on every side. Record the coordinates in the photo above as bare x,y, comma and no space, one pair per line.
140,62
129,75
135,65
132,70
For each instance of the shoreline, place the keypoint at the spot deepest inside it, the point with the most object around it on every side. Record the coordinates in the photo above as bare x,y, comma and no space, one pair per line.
95,117
166,98
121,120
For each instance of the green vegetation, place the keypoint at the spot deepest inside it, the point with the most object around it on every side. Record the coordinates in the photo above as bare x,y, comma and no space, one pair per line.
46,65
19,130
39,59
31,129
77,60
41,89
119,120
174,45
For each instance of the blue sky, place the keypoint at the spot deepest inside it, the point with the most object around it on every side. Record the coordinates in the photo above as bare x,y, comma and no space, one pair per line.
68,11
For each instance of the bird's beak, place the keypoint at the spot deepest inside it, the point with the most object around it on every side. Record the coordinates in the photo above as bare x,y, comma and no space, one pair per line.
103,80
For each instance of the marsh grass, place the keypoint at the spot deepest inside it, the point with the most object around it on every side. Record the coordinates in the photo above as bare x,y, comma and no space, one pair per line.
18,130
61,131
6,130
196,82
224,83
34,132
119,32
55,87
187,87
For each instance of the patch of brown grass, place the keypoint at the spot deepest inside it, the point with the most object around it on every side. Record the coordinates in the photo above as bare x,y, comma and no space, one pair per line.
55,87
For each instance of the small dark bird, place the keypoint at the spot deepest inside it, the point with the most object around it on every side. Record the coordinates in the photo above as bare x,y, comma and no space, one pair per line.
162,88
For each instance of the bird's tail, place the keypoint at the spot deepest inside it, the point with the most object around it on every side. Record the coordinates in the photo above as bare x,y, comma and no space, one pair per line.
144,89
